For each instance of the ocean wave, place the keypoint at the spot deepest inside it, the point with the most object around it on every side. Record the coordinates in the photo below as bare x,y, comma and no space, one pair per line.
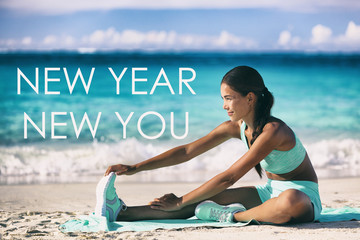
335,154
44,163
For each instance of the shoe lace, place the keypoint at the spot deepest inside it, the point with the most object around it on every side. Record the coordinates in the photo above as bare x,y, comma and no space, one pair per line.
221,216
224,217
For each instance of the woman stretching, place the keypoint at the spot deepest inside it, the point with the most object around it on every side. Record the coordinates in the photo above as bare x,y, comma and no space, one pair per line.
290,194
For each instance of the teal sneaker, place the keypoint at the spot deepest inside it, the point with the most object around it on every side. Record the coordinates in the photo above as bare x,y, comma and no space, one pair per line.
209,210
108,203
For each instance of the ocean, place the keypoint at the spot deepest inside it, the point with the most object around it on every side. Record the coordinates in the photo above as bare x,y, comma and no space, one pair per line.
139,104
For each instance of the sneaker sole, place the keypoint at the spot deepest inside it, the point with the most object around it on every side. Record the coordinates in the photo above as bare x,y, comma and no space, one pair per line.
100,209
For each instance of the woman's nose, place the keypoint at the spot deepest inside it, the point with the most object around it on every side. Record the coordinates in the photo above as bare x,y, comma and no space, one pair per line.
225,106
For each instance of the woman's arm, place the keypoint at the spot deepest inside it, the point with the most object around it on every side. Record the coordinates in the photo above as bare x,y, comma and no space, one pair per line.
182,153
264,144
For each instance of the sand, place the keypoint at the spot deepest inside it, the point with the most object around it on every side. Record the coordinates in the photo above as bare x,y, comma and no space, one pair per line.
36,211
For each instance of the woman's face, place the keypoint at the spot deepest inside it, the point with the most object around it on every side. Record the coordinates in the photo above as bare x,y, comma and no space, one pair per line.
235,104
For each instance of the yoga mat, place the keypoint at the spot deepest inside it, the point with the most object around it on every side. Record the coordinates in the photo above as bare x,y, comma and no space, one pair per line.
339,214
92,223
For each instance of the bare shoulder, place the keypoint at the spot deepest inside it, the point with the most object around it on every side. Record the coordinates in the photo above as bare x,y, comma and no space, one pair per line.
274,127
279,132
228,128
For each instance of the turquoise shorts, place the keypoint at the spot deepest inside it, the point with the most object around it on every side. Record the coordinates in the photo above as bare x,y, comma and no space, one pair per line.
273,188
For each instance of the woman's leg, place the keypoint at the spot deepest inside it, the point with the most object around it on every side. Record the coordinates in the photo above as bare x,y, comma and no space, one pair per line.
290,206
247,196
147,213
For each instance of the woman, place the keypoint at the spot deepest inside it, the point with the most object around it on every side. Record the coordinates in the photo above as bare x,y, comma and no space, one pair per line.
290,195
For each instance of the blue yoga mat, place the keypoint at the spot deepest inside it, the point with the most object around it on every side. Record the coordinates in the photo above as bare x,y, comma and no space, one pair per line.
92,223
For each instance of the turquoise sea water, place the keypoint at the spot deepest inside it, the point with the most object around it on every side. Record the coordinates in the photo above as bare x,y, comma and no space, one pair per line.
316,94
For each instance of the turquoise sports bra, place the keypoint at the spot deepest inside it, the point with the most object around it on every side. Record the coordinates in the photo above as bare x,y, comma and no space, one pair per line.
280,162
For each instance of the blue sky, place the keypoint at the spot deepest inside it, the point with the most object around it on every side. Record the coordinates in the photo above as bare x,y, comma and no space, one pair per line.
228,25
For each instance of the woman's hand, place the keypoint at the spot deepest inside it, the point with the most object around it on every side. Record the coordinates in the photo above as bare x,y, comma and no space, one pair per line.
168,202
121,169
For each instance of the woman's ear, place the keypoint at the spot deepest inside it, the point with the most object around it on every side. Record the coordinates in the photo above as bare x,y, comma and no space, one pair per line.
250,97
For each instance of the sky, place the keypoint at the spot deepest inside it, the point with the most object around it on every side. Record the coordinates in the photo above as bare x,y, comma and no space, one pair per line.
180,25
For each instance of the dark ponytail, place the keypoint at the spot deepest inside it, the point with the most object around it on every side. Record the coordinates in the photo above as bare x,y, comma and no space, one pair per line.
264,103
244,79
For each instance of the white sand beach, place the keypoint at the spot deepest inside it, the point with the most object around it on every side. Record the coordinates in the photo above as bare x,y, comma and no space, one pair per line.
36,211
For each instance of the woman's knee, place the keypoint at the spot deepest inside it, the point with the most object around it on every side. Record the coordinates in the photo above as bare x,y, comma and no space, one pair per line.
295,206
291,198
